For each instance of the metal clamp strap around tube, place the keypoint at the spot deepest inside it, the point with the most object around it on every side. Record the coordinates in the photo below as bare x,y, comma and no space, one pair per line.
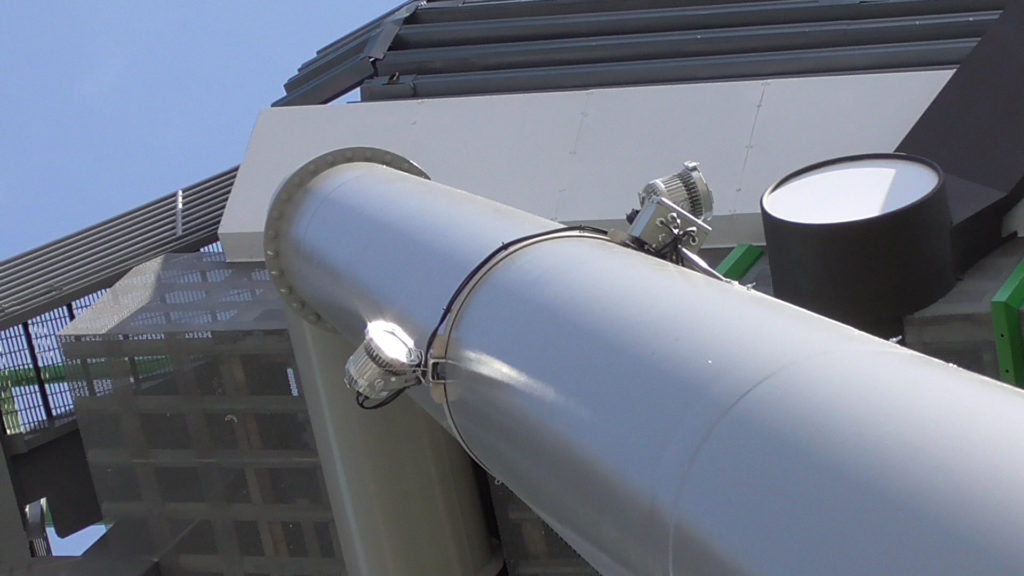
437,344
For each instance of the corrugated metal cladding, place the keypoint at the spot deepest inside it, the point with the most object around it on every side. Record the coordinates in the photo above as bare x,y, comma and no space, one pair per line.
454,48
95,258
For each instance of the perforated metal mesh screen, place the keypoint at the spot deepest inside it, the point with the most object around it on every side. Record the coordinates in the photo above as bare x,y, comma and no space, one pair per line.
35,388
203,439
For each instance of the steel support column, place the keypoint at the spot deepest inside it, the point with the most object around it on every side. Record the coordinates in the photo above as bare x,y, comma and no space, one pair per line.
402,491
37,368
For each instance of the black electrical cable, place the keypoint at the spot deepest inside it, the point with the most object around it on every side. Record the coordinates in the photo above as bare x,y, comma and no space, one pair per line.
363,401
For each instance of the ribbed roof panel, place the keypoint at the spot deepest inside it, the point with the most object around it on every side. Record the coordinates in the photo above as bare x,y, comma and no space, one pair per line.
98,256
481,48
461,47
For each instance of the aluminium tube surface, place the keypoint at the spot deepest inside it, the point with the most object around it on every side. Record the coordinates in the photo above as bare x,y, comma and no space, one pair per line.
661,421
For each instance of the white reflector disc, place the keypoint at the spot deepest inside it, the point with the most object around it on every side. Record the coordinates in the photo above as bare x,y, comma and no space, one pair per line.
851,190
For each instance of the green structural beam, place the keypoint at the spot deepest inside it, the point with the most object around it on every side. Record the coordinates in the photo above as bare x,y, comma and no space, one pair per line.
740,261
1006,321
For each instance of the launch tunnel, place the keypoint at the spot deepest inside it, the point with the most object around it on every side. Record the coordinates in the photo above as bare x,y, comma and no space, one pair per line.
662,421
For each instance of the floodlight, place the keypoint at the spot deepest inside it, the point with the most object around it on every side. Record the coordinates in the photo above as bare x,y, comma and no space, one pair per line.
687,189
386,361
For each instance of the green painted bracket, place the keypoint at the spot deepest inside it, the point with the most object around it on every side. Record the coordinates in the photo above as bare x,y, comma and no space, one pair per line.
1006,322
739,261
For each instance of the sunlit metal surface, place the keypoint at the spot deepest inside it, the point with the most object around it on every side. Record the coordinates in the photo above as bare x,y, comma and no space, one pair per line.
661,421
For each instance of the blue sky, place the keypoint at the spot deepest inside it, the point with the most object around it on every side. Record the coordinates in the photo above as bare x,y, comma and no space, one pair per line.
107,105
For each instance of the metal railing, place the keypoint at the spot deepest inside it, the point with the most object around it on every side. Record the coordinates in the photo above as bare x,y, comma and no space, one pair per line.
35,388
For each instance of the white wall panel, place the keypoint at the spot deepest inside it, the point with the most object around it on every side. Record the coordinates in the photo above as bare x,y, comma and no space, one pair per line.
583,155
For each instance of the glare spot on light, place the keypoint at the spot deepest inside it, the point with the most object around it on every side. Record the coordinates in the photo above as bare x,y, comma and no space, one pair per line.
385,362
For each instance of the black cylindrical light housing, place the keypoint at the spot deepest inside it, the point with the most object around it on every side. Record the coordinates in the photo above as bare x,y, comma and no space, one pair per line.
863,239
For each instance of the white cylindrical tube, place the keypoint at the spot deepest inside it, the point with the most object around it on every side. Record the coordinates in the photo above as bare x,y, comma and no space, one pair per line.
661,421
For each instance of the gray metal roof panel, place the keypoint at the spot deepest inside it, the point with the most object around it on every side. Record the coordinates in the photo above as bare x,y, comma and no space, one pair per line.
344,64
684,44
877,58
416,34
461,47
463,10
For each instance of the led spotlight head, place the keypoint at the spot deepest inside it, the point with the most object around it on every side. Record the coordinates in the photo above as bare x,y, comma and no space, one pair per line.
385,362
686,189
